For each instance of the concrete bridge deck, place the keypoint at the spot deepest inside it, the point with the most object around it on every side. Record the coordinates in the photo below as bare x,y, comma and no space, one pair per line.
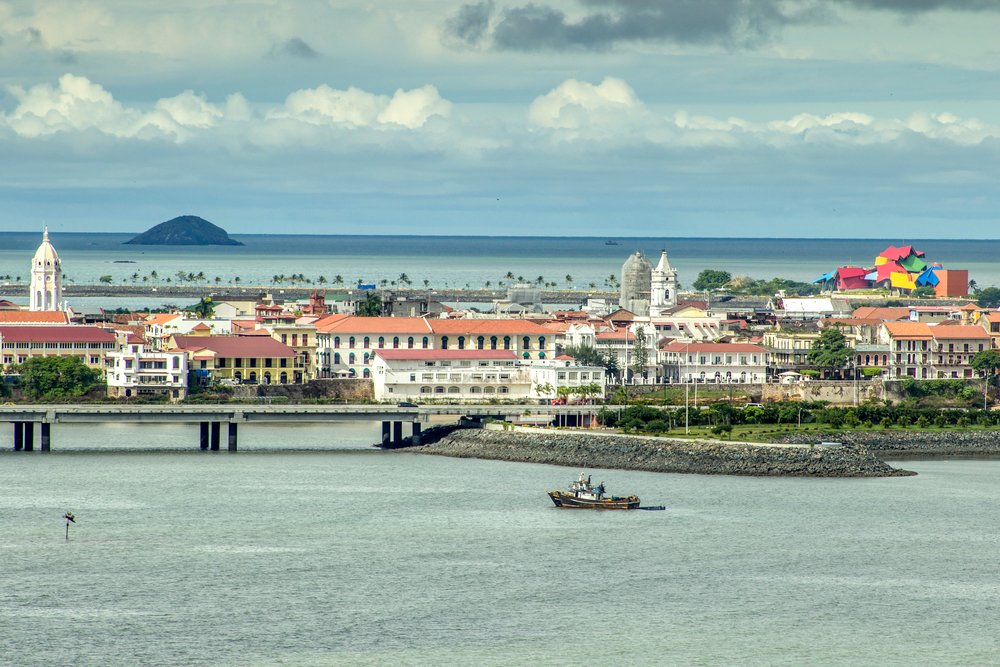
211,416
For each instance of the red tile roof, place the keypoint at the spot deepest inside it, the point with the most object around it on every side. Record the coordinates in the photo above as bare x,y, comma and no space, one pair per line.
353,324
962,331
733,348
235,346
908,330
621,334
55,334
33,317
392,355
488,327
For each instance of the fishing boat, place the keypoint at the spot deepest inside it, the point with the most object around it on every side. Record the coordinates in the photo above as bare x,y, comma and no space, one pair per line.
610,242
583,495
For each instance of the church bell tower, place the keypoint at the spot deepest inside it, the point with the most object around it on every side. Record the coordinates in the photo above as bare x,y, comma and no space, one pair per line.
46,277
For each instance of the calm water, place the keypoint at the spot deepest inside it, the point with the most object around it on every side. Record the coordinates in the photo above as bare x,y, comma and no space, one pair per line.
346,555
460,261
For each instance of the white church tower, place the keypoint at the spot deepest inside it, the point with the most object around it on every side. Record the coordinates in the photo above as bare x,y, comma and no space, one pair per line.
46,277
663,292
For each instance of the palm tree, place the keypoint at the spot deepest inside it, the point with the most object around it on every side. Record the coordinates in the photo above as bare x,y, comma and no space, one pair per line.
569,279
218,280
154,275
321,280
338,279
509,276
426,283
403,278
236,280
487,284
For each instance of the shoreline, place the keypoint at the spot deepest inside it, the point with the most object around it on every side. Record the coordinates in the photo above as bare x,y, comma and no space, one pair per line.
625,452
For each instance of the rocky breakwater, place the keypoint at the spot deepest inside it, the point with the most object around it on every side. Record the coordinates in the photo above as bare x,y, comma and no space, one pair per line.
706,457
899,442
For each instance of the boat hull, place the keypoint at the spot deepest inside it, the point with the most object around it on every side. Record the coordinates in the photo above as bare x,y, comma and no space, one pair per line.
569,501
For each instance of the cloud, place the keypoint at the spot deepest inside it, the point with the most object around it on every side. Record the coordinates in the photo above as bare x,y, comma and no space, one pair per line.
734,23
574,105
917,6
354,107
296,47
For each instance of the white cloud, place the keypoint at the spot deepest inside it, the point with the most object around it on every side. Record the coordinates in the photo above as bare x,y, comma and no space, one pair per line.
190,110
324,105
574,105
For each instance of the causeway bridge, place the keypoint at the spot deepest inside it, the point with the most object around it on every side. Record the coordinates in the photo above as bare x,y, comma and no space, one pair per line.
211,417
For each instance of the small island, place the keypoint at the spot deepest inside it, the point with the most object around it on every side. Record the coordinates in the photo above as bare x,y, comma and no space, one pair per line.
184,230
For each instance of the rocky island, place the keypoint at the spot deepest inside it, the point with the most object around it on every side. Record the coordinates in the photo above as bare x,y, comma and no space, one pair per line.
627,452
184,230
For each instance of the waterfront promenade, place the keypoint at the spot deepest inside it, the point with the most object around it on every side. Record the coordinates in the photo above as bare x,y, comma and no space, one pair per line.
210,417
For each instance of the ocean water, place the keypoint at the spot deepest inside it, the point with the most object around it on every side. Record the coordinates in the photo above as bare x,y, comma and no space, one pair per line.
458,262
310,548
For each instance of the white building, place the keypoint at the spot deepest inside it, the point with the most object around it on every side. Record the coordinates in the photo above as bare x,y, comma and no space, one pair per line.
46,277
450,375
478,375
714,362
136,371
663,292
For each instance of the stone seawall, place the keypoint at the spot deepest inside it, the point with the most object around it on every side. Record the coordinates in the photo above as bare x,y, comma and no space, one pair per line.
589,450
899,442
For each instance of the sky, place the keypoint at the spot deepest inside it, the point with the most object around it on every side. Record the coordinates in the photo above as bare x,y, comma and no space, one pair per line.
607,118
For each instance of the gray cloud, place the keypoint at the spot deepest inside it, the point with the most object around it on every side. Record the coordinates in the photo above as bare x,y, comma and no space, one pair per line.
295,47
34,36
731,23
532,27
471,22
917,6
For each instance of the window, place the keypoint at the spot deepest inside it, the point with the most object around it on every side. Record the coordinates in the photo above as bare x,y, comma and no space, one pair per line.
381,342
395,342
336,341
424,343
367,342
493,342
366,357
237,362
480,342
366,373
409,342
336,358
506,342
350,342
444,342
541,342
526,343
351,358
461,342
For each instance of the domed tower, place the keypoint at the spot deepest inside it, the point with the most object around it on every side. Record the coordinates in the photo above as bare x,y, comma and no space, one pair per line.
664,287
636,284
46,277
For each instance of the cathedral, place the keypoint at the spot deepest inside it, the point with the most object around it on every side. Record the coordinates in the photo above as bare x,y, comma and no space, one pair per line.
46,277
648,291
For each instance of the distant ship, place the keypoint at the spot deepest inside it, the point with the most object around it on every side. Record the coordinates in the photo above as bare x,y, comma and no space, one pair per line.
610,242
582,495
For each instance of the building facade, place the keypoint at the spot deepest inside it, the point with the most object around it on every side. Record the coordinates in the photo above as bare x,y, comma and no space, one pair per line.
46,277
135,371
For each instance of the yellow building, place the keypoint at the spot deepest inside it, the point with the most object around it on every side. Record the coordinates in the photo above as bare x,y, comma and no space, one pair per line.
240,359
18,343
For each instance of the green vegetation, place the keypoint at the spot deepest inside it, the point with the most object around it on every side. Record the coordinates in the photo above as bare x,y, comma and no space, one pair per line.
371,306
830,351
988,297
56,377
710,279
924,292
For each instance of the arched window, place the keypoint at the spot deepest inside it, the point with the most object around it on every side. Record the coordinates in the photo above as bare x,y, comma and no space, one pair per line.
253,377
351,358
409,342
350,342
366,358
526,355
438,390
503,390
453,390
283,378
475,390
366,373
489,390
541,355
506,342
381,342
424,342
238,376
395,342
336,341
267,378
368,343
526,343
336,358
541,342
480,342
493,342
444,342
425,390
461,342
352,373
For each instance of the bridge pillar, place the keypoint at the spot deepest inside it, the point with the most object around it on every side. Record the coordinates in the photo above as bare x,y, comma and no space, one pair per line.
18,436
216,433
29,436
415,433
46,436
386,430
397,432
203,435
232,436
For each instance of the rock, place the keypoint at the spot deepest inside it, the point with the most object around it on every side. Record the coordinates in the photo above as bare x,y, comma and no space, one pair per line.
184,230
582,449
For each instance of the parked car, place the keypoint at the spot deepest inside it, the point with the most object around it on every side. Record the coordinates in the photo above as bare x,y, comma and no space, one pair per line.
407,404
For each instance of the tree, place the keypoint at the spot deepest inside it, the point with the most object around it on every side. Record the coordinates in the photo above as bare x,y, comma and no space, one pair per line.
204,309
585,354
710,279
54,377
371,306
544,389
988,297
923,292
640,355
987,362
830,351
106,279
569,279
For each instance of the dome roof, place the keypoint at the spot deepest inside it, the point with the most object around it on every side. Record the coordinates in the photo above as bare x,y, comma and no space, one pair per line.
46,254
637,262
